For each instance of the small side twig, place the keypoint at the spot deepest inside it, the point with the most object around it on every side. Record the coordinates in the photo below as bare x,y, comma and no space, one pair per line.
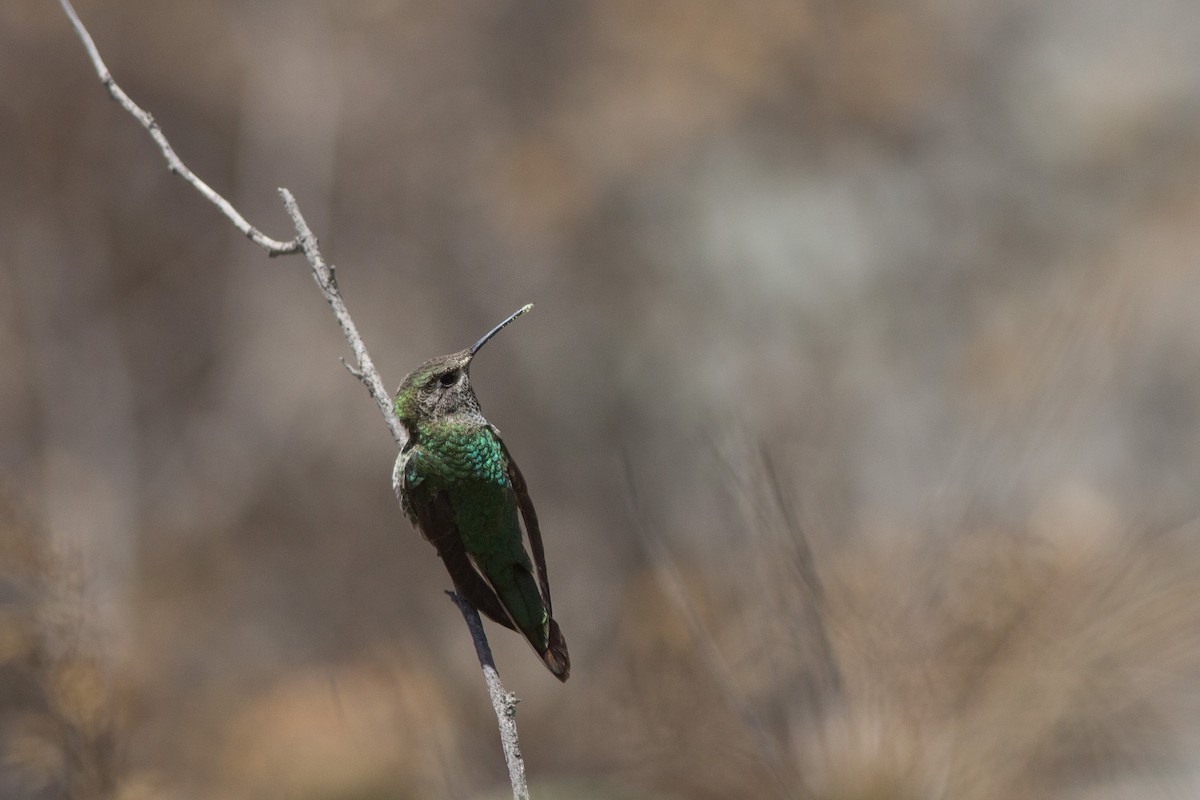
503,703
323,274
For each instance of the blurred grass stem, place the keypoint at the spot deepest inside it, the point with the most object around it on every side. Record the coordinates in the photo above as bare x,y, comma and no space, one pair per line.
675,589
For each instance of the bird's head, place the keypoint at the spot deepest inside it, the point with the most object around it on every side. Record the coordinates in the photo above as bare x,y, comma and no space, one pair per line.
440,389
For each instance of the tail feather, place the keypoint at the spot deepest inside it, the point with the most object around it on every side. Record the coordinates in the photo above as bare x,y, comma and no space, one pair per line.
556,657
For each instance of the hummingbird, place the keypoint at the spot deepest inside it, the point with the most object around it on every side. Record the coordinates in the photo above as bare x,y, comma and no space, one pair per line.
459,486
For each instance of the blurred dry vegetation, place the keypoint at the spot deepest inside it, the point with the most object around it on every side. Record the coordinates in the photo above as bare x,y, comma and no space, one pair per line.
861,404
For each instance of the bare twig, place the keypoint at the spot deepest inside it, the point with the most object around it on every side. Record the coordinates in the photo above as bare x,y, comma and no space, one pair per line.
272,246
503,703
326,280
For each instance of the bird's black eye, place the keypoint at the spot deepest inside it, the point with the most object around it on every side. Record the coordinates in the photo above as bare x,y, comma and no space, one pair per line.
449,378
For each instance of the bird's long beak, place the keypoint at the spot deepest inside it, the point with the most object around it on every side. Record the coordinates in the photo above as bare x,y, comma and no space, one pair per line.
475,347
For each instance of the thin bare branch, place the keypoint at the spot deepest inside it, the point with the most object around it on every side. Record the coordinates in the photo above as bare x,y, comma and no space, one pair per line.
272,246
323,274
503,703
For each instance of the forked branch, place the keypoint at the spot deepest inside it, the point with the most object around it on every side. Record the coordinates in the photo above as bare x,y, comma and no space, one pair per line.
504,703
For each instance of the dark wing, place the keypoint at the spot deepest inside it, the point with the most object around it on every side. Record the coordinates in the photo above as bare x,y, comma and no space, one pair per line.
556,657
532,531
436,522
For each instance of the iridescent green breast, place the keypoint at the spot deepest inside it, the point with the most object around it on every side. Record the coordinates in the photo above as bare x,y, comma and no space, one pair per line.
468,464
449,453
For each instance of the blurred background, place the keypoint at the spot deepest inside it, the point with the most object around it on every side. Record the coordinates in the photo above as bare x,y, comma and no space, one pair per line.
861,403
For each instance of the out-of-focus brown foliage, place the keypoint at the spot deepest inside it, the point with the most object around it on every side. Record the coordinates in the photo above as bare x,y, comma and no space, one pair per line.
62,708
938,260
